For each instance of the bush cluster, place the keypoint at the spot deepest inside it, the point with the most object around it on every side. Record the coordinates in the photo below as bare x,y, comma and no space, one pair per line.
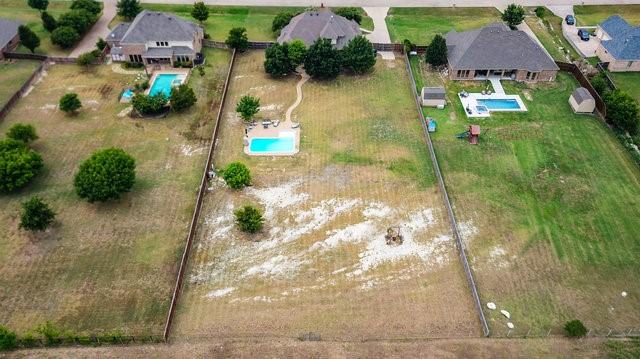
18,165
249,219
106,175
72,25
236,175
147,105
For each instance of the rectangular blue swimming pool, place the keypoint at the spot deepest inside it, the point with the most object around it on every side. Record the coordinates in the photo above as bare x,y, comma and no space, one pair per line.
162,84
285,144
499,104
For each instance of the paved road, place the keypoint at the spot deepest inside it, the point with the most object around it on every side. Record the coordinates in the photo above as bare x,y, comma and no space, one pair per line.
399,3
99,29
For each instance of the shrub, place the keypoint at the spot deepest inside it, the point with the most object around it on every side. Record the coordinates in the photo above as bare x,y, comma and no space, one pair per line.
87,59
280,21
101,44
105,175
149,105
28,340
200,11
236,175
65,36
237,39
18,165
277,61
437,51
513,15
70,103
201,70
36,215
407,45
91,6
80,20
133,65
296,51
622,111
182,97
52,334
38,4
575,329
7,339
247,107
22,132
28,38
599,84
48,22
540,12
128,9
249,219
359,55
322,60
350,13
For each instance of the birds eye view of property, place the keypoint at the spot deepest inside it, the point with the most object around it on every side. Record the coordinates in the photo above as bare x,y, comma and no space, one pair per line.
292,178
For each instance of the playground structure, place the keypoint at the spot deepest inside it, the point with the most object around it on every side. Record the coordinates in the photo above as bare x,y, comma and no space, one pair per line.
473,134
393,236
431,124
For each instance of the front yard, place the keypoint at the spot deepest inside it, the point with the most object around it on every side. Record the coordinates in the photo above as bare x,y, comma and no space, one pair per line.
592,15
12,75
103,266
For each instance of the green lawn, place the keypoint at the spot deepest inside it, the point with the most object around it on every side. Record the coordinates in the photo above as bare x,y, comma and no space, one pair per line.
12,76
549,31
591,15
19,10
627,81
552,202
420,25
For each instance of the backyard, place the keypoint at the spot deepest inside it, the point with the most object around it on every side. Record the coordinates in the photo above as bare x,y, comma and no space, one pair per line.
552,198
103,266
321,265
12,75
628,82
592,15
420,25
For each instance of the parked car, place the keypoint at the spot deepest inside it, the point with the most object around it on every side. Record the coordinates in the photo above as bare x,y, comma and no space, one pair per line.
583,34
570,20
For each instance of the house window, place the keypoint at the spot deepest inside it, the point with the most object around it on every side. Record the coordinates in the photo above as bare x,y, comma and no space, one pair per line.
162,44
463,73
532,76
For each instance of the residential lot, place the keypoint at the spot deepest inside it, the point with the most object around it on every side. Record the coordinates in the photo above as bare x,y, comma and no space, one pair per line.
12,75
19,10
111,265
321,264
552,200
549,31
420,25
591,15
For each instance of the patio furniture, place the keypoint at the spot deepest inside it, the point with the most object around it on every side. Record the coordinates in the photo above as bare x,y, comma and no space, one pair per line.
265,124
276,123
295,125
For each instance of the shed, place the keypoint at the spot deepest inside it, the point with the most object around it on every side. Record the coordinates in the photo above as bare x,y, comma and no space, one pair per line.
433,96
581,101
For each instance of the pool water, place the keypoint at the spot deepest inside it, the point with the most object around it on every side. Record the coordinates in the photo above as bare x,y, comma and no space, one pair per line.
283,144
128,94
499,104
162,84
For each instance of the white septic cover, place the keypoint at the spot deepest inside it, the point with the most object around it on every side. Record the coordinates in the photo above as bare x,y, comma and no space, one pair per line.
624,294
505,313
510,325
491,305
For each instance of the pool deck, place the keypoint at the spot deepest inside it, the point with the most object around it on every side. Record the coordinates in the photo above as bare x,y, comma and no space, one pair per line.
259,131
470,102
176,71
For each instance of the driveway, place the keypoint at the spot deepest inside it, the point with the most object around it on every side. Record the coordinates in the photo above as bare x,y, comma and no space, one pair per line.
99,30
380,33
570,32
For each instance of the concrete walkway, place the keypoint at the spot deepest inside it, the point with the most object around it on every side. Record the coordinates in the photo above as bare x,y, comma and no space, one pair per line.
299,96
380,33
99,30
497,86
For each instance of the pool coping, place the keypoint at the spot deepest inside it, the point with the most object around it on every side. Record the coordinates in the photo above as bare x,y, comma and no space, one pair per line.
471,102
177,71
272,132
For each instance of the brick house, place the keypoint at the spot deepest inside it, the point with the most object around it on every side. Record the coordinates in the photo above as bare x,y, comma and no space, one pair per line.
9,38
619,44
322,23
156,38
496,50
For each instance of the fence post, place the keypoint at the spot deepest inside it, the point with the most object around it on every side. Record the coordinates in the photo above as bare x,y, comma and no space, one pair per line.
589,333
549,332
610,330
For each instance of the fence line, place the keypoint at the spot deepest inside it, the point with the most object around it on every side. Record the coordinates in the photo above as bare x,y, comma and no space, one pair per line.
257,45
196,212
447,203
602,68
18,94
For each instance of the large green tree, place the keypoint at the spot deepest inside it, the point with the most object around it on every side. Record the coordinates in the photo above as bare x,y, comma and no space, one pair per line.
359,55
351,13
622,111
91,6
200,11
182,97
237,39
247,107
18,165
65,36
236,175
70,103
280,21
513,15
36,215
38,4
322,60
128,9
437,51
277,61
297,50
80,19
28,38
106,175
48,22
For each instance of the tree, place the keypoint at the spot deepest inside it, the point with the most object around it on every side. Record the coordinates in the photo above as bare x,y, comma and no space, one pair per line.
277,61
86,59
599,84
79,19
513,15
36,215
105,175
7,339
236,175
437,51
575,329
65,36
48,22
359,55
238,39
28,38
351,13
70,103
18,165
40,5
149,105
322,60
22,132
101,44
280,21
247,107
182,97
200,12
91,6
297,51
128,9
540,11
249,219
622,111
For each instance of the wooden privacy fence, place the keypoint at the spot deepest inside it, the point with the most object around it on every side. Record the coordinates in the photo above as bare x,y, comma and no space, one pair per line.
602,68
16,96
196,212
257,45
584,82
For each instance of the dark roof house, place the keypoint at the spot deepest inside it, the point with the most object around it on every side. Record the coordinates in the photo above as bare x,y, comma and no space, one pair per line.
622,40
312,25
8,33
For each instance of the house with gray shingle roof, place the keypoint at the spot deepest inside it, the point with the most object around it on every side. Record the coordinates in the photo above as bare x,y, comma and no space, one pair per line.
322,23
9,38
156,38
619,44
496,50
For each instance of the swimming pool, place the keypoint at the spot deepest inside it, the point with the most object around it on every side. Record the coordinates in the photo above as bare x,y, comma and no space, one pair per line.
499,104
267,145
163,83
